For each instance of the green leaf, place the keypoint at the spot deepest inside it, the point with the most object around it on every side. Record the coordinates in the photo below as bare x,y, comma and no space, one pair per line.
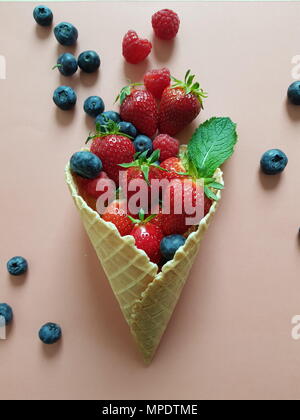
210,194
211,144
215,185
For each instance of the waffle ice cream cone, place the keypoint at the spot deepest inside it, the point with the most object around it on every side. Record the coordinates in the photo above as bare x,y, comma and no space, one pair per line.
146,296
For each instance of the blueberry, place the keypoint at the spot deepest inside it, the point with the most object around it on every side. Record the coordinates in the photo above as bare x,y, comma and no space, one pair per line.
86,164
50,333
67,64
170,244
66,33
293,93
103,118
89,61
128,128
64,97
273,161
143,143
108,115
6,312
93,106
17,266
43,15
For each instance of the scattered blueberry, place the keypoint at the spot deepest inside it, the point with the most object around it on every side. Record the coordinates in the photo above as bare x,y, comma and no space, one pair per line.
50,333
64,97
89,61
93,106
17,266
143,143
170,244
66,33
273,161
86,164
66,64
6,312
293,93
128,128
43,15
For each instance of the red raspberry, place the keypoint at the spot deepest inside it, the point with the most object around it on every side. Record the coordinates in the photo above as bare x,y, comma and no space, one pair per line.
165,24
156,81
134,48
94,188
168,146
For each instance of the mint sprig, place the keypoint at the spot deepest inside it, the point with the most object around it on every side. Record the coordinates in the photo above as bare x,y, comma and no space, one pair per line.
211,144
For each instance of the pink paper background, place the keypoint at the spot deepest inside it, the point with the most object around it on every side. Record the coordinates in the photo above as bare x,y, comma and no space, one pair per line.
230,336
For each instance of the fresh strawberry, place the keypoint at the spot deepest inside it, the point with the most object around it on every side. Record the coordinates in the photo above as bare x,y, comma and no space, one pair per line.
113,148
182,196
165,24
143,169
168,146
93,188
134,48
138,106
147,237
157,80
174,168
116,213
180,104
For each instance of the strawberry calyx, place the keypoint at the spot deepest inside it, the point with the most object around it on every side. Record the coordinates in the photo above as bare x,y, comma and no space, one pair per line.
144,163
126,91
141,220
190,86
102,130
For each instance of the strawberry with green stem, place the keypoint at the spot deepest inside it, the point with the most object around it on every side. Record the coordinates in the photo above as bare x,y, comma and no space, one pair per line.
112,147
180,104
144,169
147,236
138,106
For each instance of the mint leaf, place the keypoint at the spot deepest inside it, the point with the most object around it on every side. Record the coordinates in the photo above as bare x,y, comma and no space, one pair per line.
211,144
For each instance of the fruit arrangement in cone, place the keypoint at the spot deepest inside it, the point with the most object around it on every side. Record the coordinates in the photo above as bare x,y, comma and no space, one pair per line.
146,201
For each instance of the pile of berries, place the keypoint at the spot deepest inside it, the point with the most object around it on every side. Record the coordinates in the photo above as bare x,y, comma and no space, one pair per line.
137,144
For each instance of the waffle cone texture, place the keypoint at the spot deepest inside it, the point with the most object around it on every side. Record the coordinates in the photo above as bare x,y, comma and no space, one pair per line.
147,296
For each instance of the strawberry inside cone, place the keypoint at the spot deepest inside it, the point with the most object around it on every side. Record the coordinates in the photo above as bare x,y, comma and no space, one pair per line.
147,236
137,181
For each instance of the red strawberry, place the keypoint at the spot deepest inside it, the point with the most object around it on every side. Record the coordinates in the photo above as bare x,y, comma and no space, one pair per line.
144,170
168,146
184,195
113,148
173,165
138,106
147,237
169,223
156,81
165,23
134,48
93,188
180,104
116,213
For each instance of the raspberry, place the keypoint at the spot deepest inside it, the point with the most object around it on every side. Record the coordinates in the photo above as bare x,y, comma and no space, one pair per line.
134,48
165,24
156,81
168,146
